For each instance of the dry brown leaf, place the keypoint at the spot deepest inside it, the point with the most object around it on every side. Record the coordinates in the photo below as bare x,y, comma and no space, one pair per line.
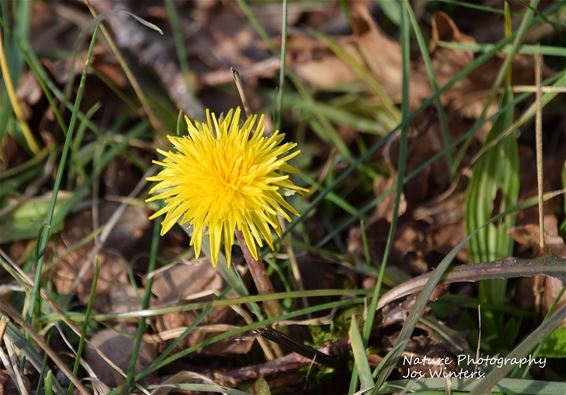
383,57
467,96
315,64
29,91
128,236
185,281
63,70
445,224
117,345
114,292
385,208
11,153
319,67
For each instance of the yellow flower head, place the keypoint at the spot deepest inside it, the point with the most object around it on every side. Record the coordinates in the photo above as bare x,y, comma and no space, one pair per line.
222,177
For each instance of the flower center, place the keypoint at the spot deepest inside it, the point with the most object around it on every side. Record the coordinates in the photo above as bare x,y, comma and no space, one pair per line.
230,176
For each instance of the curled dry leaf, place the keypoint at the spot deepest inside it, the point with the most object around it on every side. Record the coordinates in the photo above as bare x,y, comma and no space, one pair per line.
424,234
127,237
383,57
319,67
448,62
11,153
467,96
368,46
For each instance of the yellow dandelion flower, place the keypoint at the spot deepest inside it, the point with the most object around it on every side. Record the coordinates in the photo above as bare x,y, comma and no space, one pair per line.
222,177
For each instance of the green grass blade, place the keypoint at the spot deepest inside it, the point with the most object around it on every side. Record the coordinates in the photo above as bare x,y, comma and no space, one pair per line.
494,186
434,86
178,39
195,110
48,383
530,342
527,49
142,325
279,101
320,123
472,6
373,85
517,38
391,9
175,344
230,275
560,79
179,308
35,304
247,328
405,56
404,123
361,361
555,344
405,109
30,351
84,327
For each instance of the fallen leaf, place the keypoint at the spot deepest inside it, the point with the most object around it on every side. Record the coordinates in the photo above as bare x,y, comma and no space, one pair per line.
316,65
383,57
368,46
128,236
114,293
385,208
28,93
467,96
116,344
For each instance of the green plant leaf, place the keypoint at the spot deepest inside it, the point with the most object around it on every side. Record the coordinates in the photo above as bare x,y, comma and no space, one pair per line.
358,349
391,9
493,188
24,222
554,346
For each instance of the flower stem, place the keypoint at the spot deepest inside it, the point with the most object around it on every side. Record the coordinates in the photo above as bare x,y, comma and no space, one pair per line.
261,279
